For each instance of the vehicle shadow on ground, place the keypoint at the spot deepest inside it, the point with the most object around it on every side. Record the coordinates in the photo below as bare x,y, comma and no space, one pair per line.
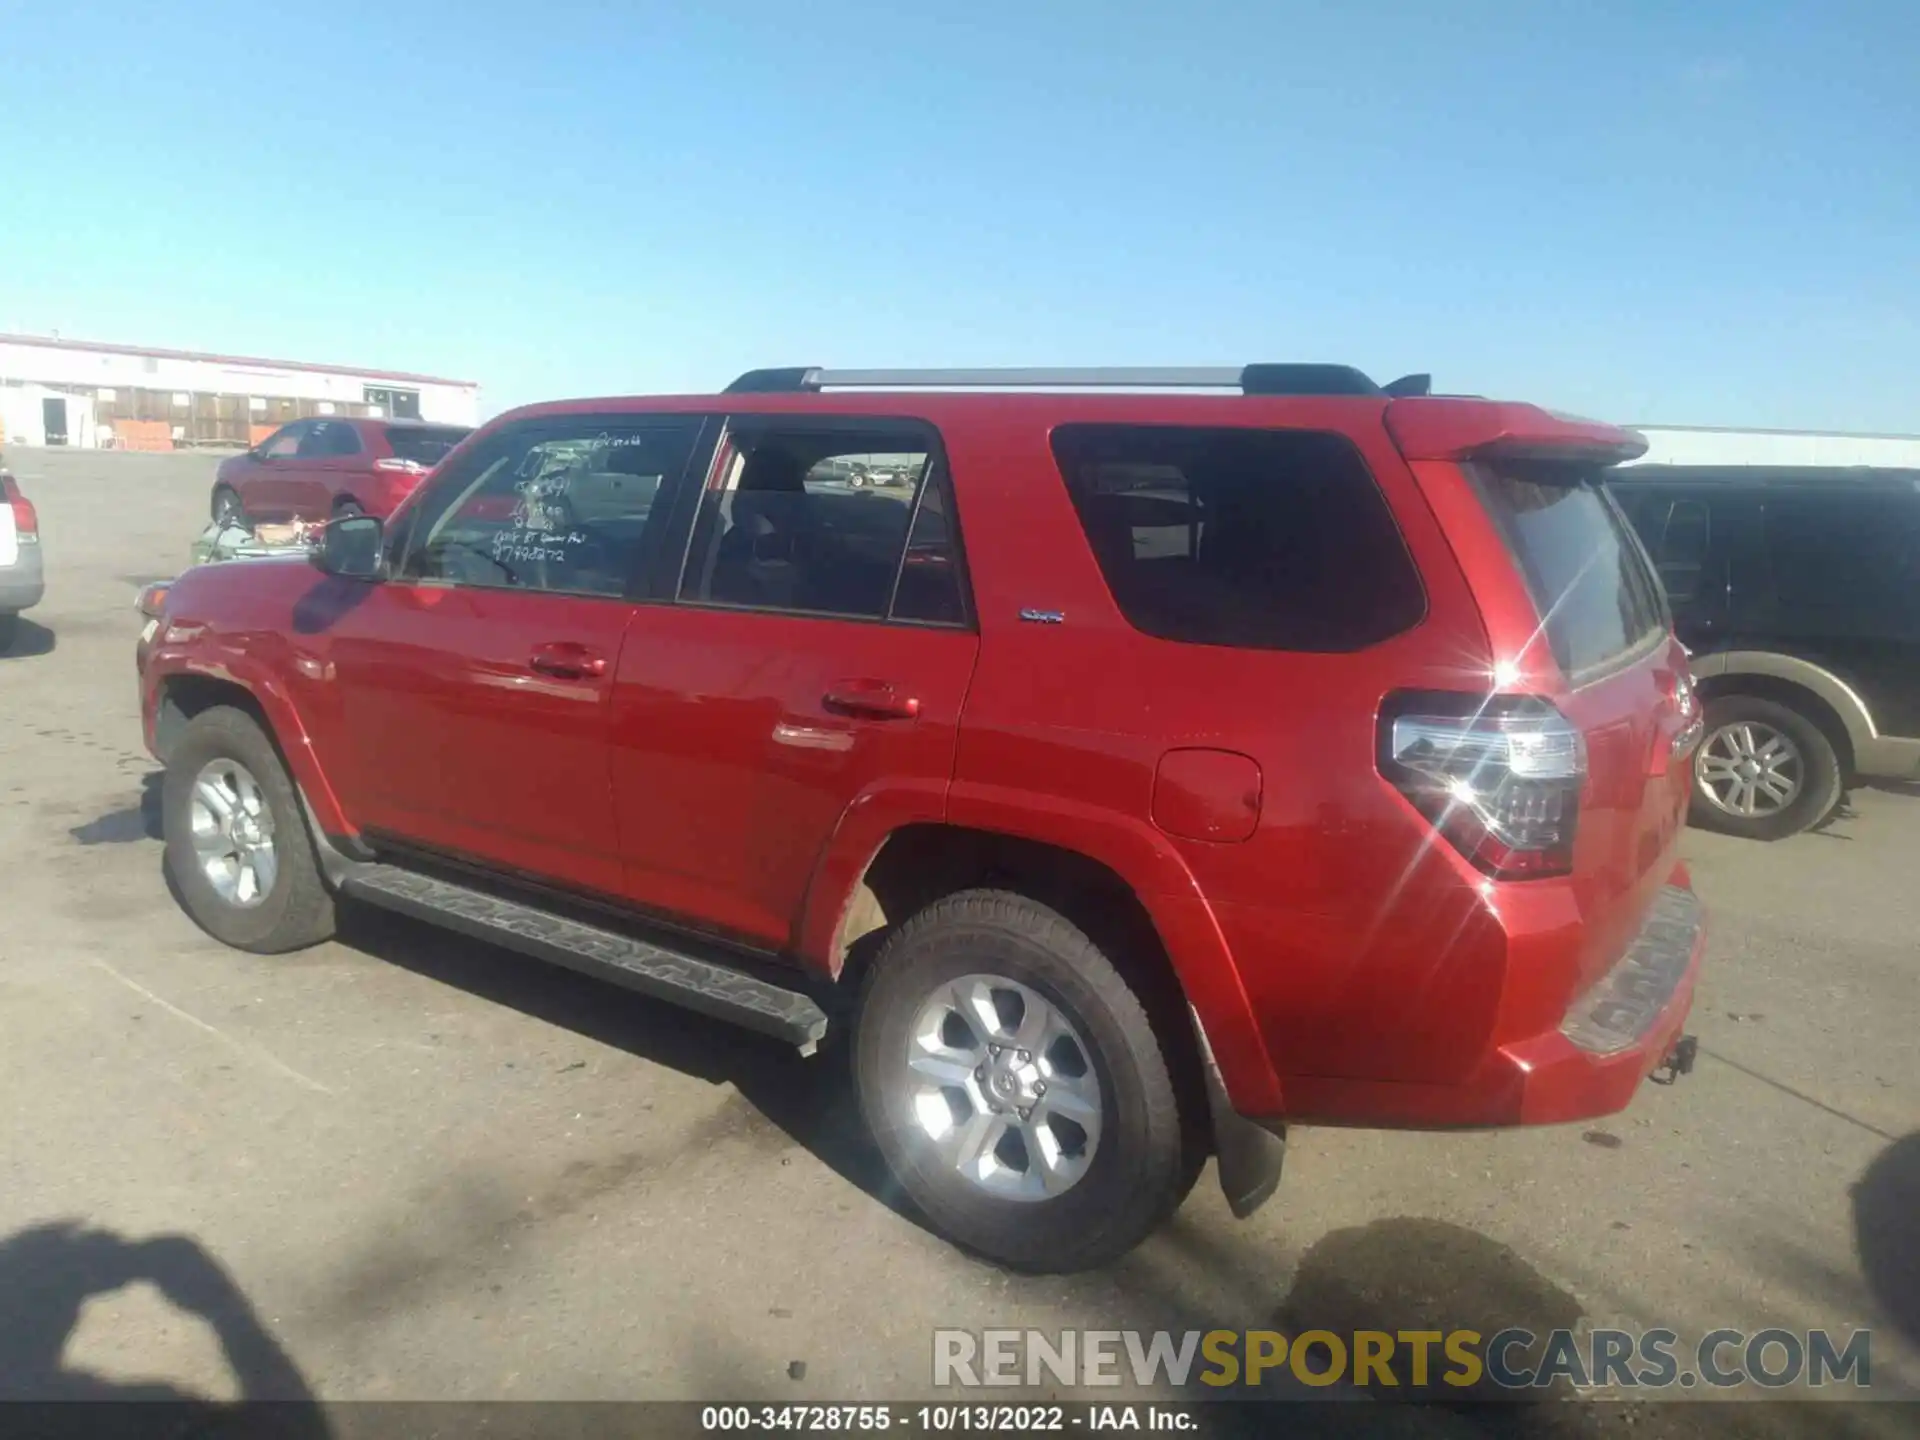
1886,1225
1909,788
139,821
1409,1274
29,641
810,1099
48,1274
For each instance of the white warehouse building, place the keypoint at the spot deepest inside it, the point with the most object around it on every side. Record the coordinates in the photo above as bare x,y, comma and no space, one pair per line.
1705,445
83,393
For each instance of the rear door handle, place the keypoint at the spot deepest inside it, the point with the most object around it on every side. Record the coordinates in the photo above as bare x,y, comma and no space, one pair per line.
871,700
565,660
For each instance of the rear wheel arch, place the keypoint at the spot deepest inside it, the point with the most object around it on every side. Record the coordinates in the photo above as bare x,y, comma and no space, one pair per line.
918,865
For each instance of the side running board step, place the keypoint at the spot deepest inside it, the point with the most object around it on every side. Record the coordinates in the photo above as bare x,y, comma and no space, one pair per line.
652,969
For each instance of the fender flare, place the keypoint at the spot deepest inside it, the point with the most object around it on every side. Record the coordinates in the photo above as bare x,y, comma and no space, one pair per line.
268,690
1839,696
1143,859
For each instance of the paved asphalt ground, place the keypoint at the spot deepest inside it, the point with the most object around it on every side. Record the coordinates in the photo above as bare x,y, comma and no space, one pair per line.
409,1166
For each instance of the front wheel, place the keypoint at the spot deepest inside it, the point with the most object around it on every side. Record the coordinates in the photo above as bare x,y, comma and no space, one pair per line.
227,509
1017,1088
236,838
1764,771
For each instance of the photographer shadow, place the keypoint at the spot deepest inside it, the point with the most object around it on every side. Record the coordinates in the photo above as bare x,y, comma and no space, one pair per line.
49,1272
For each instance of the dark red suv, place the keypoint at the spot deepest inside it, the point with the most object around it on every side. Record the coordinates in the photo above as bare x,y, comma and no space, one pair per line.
330,465
1150,772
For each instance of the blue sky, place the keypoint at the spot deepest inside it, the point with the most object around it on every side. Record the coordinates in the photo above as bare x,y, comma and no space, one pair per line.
1705,213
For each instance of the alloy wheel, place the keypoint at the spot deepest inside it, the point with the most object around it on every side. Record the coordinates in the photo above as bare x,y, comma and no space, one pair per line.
1005,1087
233,833
1750,770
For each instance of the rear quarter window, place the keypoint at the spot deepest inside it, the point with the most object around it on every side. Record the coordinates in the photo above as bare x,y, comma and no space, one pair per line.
1598,602
1853,552
1258,539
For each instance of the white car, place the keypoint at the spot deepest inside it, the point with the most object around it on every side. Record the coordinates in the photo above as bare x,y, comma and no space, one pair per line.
22,581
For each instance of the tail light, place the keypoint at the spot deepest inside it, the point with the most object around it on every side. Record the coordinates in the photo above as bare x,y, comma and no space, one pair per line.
26,521
393,464
152,601
1498,776
1693,722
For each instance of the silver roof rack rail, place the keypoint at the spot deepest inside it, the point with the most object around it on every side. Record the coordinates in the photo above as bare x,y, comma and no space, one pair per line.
1247,379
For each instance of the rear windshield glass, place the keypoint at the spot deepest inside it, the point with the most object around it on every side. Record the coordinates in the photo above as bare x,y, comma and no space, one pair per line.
1261,539
1589,579
424,444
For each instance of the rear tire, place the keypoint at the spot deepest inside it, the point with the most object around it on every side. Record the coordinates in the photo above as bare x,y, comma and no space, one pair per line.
226,508
1038,1197
225,760
1763,770
9,630
345,506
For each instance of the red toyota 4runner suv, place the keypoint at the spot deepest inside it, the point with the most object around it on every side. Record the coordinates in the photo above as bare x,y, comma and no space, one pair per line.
1152,772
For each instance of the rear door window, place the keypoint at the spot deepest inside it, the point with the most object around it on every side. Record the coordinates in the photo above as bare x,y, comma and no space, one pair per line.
847,520
1258,539
1598,604
1678,534
343,440
424,445
327,438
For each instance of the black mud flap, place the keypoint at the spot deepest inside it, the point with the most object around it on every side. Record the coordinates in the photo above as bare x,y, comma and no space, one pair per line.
1248,1156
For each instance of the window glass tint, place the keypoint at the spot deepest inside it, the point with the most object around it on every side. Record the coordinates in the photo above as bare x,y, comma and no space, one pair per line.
809,521
341,440
1254,538
1680,547
286,442
555,507
929,588
1586,575
424,444
1842,552
318,439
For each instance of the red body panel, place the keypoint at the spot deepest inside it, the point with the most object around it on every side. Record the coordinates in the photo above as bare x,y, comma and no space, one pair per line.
731,772
1347,963
446,732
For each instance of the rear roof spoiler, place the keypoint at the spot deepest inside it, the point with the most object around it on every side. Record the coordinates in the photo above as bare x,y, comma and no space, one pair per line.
1427,428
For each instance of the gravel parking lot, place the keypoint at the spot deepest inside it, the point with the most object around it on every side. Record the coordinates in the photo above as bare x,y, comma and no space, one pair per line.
433,1170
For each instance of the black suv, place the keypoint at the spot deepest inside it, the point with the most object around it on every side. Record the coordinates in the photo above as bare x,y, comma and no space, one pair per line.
1798,593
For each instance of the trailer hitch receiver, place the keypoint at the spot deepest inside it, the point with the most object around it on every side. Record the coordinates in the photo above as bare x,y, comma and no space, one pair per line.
1679,1061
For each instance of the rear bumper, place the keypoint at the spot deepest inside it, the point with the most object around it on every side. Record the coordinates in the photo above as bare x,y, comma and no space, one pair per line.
1620,1031
1610,1040
23,583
